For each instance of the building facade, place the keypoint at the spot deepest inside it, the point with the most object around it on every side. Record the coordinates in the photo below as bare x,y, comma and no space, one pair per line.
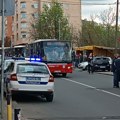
26,13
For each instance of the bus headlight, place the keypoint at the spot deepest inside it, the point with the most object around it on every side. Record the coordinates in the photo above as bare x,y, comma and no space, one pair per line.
69,67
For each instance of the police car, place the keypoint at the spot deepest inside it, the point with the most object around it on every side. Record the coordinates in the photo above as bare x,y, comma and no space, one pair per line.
23,76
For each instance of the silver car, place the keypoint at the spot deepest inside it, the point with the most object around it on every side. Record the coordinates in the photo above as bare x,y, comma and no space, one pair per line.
83,65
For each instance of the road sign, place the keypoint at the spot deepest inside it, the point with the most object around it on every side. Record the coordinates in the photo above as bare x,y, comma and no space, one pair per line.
9,7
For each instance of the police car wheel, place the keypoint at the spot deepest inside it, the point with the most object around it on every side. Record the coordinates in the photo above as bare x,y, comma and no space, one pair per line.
49,97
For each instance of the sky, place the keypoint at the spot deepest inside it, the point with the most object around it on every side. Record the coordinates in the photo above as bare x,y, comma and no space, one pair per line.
95,7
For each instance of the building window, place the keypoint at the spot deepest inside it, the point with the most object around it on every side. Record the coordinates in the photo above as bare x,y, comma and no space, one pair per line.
23,15
23,4
24,35
17,36
23,25
35,5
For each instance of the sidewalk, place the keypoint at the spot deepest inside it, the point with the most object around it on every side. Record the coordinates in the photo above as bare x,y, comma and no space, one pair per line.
14,105
4,111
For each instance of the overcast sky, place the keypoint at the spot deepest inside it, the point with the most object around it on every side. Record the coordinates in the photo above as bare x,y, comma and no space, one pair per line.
93,7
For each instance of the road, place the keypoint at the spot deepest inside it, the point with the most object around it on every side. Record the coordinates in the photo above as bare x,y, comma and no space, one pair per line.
79,96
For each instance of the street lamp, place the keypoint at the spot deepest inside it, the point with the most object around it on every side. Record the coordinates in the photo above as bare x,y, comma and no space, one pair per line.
116,27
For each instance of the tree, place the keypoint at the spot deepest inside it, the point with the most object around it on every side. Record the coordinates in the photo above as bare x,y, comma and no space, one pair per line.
103,33
51,24
107,18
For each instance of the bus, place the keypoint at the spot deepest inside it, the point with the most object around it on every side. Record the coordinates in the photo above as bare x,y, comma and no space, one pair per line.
57,54
15,51
19,50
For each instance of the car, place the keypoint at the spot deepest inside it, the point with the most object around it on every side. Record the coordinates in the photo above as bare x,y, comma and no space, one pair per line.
83,65
29,77
7,62
110,60
101,63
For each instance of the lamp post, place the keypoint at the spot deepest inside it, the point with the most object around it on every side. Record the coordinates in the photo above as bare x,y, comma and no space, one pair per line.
2,61
116,27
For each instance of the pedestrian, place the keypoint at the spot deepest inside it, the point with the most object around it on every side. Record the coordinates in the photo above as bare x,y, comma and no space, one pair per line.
116,70
77,57
90,64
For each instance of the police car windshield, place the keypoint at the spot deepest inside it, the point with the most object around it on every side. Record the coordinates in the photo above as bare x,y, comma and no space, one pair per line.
32,68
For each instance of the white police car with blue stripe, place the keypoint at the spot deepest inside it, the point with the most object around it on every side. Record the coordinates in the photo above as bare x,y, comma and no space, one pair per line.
31,77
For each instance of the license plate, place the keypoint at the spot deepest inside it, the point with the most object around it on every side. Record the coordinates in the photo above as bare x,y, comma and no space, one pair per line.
102,66
57,71
33,78
33,82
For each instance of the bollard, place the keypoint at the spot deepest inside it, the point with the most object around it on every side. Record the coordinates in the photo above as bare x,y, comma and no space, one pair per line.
17,114
9,107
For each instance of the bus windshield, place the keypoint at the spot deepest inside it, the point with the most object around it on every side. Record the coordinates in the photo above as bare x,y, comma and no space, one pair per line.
57,51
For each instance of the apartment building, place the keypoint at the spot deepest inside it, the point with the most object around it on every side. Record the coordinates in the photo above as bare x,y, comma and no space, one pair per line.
26,12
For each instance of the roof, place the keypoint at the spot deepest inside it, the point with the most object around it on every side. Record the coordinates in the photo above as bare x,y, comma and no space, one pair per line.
19,46
84,48
91,47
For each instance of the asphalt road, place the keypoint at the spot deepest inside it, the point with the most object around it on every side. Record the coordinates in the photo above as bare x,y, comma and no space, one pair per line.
79,96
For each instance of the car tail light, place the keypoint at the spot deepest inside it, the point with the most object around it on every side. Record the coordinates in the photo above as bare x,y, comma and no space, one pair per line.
13,77
51,78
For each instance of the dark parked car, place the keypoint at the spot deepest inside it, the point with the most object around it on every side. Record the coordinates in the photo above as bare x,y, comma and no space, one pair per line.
101,63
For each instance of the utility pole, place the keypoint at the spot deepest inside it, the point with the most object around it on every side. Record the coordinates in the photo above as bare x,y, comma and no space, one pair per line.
7,8
116,27
2,61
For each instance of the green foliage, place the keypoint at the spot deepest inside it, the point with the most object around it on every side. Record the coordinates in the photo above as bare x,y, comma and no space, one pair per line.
98,34
103,34
51,24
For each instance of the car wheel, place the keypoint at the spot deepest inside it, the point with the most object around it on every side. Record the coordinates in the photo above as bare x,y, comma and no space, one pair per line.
49,97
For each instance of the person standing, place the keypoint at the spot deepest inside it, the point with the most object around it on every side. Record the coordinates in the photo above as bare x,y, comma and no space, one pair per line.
116,71
90,64
77,57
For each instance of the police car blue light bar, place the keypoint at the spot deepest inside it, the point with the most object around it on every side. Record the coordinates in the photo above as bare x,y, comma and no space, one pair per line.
33,59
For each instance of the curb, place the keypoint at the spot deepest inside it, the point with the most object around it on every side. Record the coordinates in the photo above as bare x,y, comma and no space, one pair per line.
105,73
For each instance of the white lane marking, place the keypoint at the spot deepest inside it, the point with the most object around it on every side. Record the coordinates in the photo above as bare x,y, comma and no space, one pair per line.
101,90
